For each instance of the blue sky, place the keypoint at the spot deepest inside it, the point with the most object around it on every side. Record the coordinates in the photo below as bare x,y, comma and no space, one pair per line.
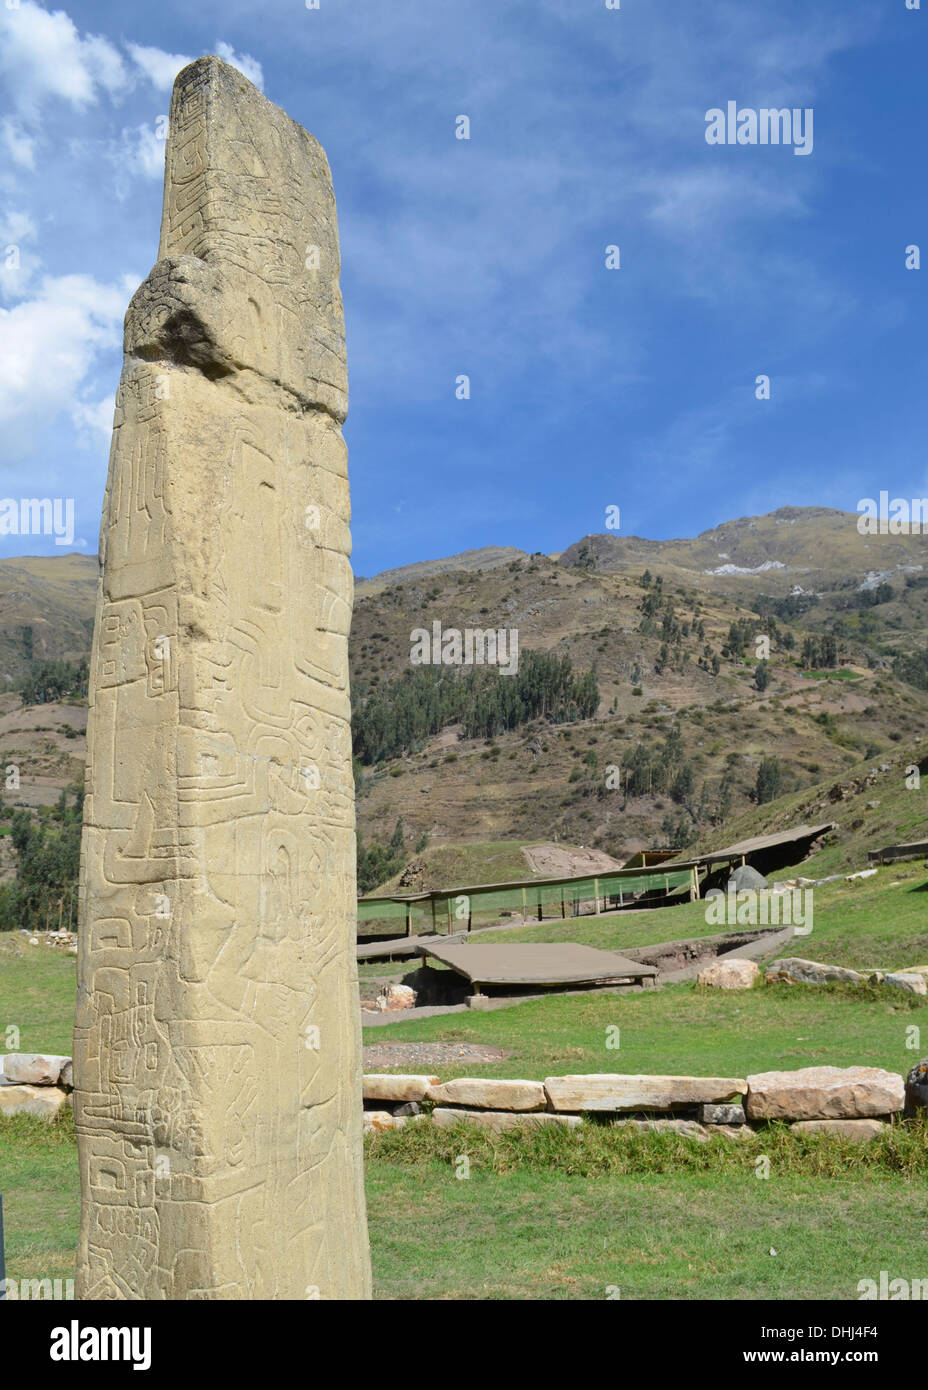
589,387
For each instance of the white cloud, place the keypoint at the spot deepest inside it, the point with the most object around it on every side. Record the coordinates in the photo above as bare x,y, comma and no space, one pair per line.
17,265
248,66
49,344
42,55
697,197
141,152
159,67
95,418
19,146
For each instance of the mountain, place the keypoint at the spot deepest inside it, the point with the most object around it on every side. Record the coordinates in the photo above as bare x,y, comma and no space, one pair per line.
671,628
46,610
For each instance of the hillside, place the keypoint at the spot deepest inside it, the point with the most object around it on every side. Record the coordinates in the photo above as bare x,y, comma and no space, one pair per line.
46,610
670,628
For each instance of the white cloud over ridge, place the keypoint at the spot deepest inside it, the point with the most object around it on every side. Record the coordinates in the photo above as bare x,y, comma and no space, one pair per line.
49,346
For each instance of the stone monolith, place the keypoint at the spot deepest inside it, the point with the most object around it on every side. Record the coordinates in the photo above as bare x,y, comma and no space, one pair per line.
217,1059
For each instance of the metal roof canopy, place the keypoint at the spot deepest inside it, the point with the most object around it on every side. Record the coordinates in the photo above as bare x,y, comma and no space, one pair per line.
561,963
759,843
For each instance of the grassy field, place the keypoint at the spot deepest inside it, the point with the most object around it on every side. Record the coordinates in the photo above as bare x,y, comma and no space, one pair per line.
579,1215
532,1234
523,1225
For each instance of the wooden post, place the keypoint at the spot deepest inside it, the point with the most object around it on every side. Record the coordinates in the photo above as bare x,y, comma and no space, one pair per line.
596,894
409,919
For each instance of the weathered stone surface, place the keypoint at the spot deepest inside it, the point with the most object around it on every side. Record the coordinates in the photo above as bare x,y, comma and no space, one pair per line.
33,1068
377,1120
393,997
861,1130
400,1119
721,1115
67,1074
910,981
729,974
916,1088
687,1129
43,1101
824,1093
794,970
602,1091
745,878
217,1039
500,1119
732,1131
384,1086
486,1093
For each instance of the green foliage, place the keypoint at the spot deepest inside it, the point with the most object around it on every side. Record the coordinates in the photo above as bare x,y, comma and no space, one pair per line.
769,780
54,680
647,771
402,714
47,862
913,668
820,651
740,633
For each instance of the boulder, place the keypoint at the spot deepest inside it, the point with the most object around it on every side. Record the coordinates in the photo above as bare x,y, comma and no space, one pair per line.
687,1129
794,970
395,997
376,1121
731,973
916,1088
486,1093
409,1107
745,879
389,1087
824,1093
721,1115
732,1131
497,1120
43,1101
909,980
33,1068
602,1091
67,1075
861,1130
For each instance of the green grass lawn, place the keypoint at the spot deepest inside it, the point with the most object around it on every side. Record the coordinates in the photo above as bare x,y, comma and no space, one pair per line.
671,1222
37,992
531,1234
522,1225
685,1029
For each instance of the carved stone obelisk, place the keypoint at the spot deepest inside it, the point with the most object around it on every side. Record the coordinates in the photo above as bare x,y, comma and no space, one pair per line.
217,1043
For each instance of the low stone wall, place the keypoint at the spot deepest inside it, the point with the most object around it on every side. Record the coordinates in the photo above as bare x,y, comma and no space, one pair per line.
34,1083
856,1102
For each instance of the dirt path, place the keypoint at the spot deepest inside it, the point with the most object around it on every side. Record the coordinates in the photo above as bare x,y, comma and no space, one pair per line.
561,861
